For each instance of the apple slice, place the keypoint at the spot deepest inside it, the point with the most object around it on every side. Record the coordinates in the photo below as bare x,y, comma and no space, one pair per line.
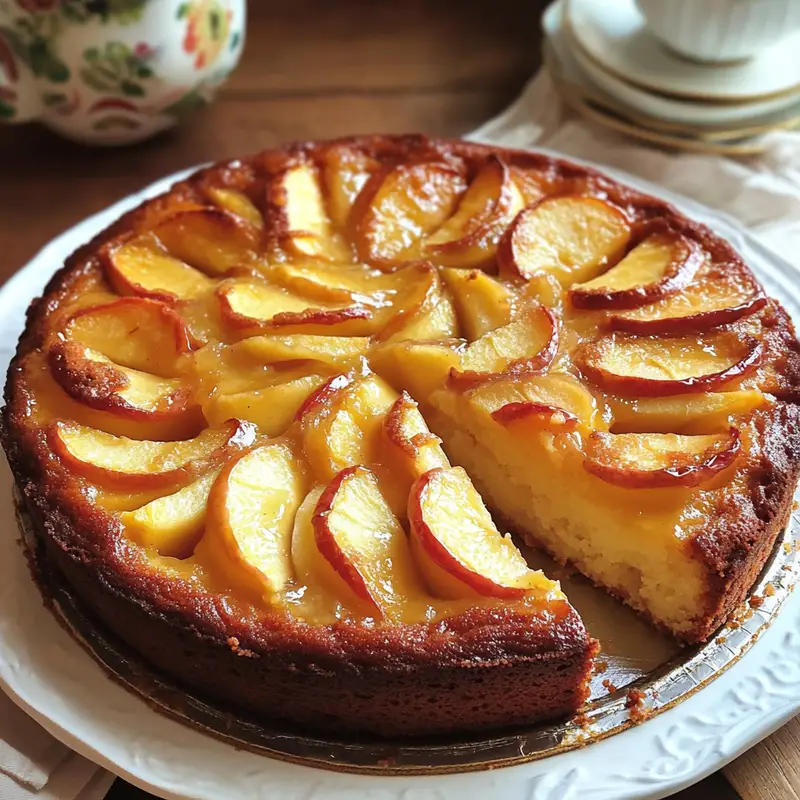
272,408
136,265
398,207
573,237
457,546
92,379
341,423
536,416
335,283
133,332
297,218
469,238
410,444
356,532
345,172
420,310
654,367
658,460
419,367
556,401
527,344
482,303
134,465
236,203
721,295
659,266
252,307
336,351
172,525
251,512
408,450
684,414
209,239
320,401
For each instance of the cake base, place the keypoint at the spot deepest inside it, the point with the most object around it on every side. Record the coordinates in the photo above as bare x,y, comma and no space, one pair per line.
613,707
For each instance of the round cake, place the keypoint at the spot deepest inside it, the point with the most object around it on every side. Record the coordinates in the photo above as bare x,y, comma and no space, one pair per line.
275,427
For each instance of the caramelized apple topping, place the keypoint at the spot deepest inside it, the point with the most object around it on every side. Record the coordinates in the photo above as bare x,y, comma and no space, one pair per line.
716,298
657,460
571,237
528,344
656,366
658,267
472,557
273,340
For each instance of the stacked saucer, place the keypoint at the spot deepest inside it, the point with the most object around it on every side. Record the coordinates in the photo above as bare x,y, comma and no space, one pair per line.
609,66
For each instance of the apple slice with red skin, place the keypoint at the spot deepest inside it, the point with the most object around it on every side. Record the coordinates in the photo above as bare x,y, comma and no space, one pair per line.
722,294
660,460
259,307
409,439
556,401
324,395
209,239
356,532
529,343
297,219
661,264
408,450
419,310
92,379
139,465
336,283
643,366
571,236
456,544
469,238
398,207
341,424
251,510
136,265
539,415
345,321
135,332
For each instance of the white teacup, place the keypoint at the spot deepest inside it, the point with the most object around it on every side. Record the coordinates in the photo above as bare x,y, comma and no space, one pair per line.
721,30
116,71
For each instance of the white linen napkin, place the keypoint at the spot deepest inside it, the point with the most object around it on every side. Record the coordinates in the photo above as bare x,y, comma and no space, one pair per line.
35,765
762,192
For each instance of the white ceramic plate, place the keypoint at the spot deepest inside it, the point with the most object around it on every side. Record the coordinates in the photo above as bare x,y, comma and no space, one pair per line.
613,33
46,673
681,111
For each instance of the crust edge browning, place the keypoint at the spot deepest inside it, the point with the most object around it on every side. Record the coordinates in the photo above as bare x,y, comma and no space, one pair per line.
367,685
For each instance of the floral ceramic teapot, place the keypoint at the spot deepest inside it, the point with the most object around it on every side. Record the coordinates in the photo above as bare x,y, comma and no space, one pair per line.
114,71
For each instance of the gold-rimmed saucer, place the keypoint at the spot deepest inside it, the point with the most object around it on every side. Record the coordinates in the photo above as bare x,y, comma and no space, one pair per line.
614,35
585,104
580,94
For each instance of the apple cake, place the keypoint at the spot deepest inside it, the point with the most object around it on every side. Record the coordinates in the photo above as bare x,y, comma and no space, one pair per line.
273,426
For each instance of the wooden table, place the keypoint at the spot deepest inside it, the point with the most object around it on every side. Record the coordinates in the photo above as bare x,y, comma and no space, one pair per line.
315,69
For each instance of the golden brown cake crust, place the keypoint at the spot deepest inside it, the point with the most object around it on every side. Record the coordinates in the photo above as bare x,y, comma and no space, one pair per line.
400,680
